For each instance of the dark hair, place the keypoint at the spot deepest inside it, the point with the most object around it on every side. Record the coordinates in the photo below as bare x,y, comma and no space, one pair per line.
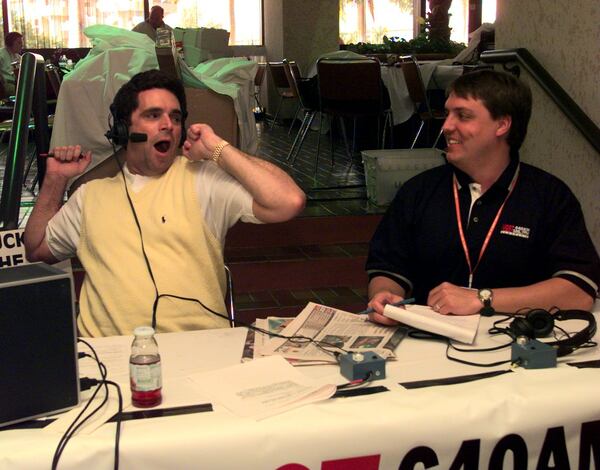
11,38
126,99
503,95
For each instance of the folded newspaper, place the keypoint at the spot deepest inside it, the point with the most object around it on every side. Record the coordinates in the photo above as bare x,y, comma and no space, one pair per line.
334,331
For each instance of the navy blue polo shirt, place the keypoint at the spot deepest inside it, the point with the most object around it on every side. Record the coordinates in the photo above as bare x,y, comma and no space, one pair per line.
540,234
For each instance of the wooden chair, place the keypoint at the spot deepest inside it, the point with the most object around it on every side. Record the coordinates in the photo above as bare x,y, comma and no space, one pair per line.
258,80
283,86
418,94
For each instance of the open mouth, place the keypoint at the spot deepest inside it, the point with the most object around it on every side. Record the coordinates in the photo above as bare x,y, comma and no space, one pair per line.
163,146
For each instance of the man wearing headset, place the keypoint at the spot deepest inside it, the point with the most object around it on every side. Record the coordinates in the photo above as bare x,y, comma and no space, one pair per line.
484,232
154,233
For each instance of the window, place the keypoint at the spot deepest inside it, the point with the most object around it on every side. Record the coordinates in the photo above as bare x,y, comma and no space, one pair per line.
488,11
242,18
60,23
370,20
459,21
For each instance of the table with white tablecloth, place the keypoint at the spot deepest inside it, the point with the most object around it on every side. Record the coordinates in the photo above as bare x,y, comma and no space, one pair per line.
544,418
436,76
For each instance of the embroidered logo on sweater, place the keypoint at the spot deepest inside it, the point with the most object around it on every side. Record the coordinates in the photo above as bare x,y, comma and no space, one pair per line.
515,230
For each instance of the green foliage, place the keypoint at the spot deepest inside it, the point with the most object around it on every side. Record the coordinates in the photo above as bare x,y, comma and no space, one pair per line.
424,43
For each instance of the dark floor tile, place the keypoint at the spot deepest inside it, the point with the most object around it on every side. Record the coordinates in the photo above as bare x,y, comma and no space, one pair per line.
286,299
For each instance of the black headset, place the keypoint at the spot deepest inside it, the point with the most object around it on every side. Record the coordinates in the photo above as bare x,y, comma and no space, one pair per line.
539,323
118,131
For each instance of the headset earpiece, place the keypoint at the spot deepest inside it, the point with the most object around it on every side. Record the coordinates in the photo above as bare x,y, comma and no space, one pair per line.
540,323
118,132
536,324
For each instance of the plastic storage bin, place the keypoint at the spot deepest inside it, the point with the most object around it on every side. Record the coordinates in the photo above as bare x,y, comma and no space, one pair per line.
387,170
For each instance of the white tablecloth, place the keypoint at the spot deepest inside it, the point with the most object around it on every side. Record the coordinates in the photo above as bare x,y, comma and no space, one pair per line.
535,413
435,76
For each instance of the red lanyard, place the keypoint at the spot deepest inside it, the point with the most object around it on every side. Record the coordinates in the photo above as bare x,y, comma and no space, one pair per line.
463,241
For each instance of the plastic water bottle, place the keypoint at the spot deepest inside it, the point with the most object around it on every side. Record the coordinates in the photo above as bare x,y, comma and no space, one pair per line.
144,369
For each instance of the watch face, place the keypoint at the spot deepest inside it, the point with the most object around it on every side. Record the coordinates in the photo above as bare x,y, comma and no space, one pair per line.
484,294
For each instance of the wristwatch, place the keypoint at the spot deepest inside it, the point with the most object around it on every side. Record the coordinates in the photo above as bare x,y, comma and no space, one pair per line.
485,296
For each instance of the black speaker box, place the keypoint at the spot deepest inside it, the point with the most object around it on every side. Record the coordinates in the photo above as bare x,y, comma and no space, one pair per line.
38,343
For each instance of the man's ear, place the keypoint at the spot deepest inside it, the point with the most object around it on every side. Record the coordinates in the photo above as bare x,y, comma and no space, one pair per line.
504,124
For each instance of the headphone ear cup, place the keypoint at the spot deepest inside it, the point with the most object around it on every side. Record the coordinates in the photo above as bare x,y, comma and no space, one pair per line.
541,322
118,133
520,327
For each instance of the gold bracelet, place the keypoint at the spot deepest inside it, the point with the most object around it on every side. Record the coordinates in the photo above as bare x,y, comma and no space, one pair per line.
216,155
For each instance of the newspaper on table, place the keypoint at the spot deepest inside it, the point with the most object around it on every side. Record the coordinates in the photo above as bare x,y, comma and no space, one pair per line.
336,331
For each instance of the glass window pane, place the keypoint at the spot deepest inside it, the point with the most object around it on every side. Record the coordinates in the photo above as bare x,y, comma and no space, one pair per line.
459,21
488,11
370,20
60,23
391,18
242,18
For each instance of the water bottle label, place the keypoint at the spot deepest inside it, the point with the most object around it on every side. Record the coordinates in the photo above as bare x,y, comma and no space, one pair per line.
145,377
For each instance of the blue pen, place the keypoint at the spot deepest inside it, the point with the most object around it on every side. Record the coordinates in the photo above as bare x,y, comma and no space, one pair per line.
395,304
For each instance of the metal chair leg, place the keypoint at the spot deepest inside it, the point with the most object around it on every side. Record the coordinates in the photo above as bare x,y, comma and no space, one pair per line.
294,119
304,133
277,112
418,134
319,142
438,137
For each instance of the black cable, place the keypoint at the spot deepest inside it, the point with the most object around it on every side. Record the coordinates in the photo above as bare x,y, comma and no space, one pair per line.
75,425
62,443
419,334
357,383
294,339
118,415
476,364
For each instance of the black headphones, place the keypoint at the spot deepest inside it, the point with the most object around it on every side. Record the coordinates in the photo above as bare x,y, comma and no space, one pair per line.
118,132
539,323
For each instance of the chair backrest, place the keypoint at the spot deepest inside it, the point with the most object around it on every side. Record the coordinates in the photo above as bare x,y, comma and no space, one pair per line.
414,81
260,74
346,85
215,109
306,89
54,80
280,79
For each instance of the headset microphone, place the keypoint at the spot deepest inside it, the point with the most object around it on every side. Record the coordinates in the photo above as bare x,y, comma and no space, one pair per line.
137,137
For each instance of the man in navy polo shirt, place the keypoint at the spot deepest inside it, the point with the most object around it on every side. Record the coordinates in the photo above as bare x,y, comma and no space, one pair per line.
485,232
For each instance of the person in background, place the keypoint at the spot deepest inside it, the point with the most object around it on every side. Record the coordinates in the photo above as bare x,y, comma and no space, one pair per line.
11,52
152,23
485,232
151,238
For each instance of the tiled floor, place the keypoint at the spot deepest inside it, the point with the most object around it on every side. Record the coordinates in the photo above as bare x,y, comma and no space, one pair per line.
337,189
